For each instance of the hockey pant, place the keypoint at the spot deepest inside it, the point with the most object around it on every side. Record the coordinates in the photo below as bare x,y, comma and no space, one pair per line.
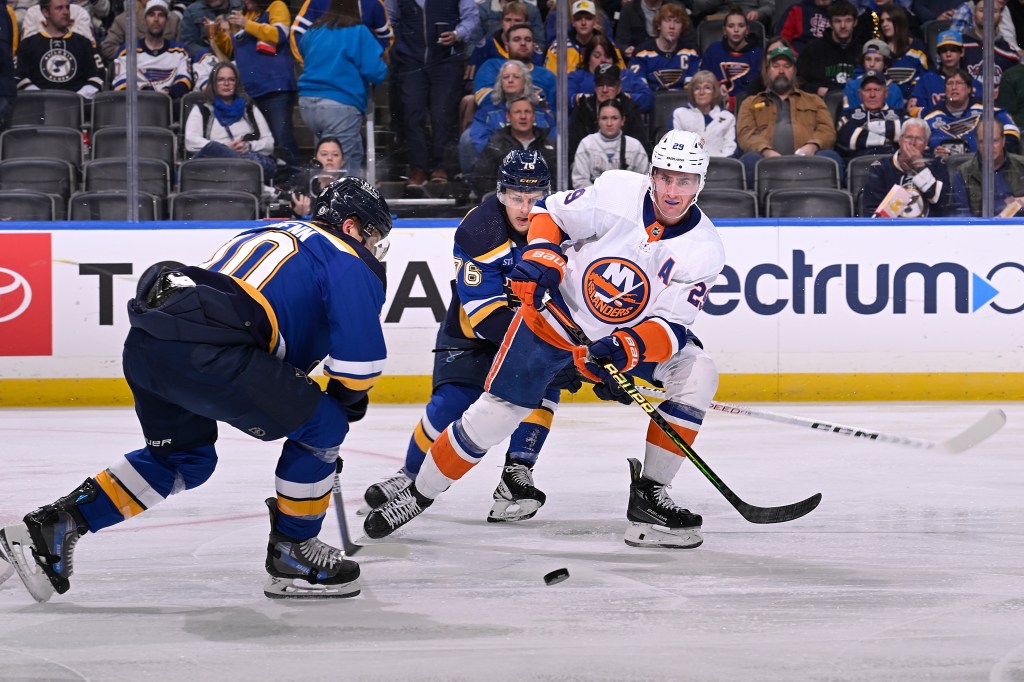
460,371
182,388
523,368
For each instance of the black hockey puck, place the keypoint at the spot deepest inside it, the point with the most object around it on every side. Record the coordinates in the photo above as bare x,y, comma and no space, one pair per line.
556,576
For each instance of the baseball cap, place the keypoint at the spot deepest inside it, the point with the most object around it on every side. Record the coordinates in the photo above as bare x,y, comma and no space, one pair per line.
872,75
606,73
157,4
782,51
584,6
876,45
952,38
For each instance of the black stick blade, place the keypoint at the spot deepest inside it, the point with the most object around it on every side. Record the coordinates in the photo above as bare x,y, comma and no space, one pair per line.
777,514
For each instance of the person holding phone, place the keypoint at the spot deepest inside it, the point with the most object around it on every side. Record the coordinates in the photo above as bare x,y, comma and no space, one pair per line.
326,167
429,57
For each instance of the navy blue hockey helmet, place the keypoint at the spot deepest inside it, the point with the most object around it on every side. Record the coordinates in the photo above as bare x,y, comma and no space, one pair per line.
350,196
525,171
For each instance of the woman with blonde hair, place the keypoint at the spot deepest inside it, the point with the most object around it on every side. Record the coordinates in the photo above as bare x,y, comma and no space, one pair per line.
705,116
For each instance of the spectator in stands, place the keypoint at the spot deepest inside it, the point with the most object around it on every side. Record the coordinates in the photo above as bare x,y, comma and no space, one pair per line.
496,18
827,63
954,120
227,124
803,22
202,67
599,52
115,37
908,53
520,46
872,127
874,57
869,19
784,119
932,10
1008,194
1011,94
735,59
753,10
80,21
513,81
757,83
1005,55
341,60
924,179
373,13
705,117
637,24
607,86
8,47
604,24
79,68
429,58
665,62
609,148
259,46
582,32
520,133
930,89
199,15
161,65
967,19
325,168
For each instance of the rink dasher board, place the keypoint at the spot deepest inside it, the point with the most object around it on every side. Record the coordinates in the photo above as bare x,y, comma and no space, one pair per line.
805,309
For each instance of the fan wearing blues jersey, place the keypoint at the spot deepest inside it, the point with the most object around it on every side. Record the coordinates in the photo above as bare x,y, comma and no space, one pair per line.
488,243
233,340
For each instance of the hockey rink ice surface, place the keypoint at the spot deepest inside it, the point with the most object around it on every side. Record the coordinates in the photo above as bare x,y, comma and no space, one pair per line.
912,568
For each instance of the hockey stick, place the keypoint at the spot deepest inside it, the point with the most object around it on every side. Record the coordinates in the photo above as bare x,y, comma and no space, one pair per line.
974,434
351,548
748,511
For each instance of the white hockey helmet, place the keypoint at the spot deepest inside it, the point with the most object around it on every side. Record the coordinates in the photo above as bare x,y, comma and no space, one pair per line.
681,151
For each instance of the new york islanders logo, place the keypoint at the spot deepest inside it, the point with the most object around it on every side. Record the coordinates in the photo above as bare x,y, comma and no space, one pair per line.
615,290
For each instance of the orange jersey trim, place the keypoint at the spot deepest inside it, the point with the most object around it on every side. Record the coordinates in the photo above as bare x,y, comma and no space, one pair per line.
657,343
543,227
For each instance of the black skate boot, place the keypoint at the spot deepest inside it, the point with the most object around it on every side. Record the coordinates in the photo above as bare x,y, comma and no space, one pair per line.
392,515
385,491
655,520
306,569
516,498
51,533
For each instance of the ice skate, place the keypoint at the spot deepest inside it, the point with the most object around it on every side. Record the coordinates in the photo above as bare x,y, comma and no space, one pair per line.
383,492
306,569
655,520
41,547
516,498
392,515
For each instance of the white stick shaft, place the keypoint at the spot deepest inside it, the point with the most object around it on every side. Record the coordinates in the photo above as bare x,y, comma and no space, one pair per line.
966,439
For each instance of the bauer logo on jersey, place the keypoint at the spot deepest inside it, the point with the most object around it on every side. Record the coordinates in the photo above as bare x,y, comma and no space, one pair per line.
615,290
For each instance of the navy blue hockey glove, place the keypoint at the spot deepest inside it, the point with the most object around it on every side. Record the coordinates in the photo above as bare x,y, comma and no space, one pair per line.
540,270
610,391
354,402
622,348
567,379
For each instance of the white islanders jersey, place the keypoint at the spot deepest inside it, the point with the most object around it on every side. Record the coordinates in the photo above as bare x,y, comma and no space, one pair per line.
623,267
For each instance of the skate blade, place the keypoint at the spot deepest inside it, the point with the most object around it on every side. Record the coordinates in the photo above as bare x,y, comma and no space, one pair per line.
289,588
649,535
14,542
6,570
511,510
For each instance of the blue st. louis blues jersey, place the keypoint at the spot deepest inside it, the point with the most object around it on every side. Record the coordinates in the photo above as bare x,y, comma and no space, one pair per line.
486,249
323,294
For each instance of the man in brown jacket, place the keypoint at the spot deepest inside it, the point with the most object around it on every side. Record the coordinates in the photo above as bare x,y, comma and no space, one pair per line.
784,120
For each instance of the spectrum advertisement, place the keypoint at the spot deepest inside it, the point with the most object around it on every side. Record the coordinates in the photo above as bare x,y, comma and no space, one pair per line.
799,299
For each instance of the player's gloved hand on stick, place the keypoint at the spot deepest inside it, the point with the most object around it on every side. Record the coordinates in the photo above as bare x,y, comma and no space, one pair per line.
354,402
567,379
612,392
622,348
540,270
